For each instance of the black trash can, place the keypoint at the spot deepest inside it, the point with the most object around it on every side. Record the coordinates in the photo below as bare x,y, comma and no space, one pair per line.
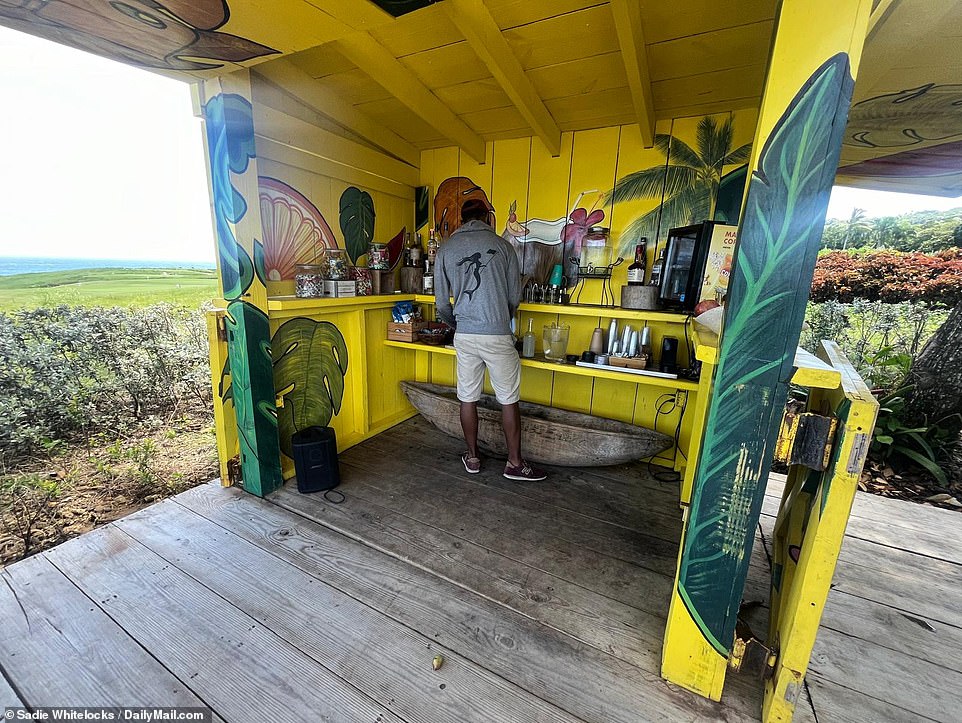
315,459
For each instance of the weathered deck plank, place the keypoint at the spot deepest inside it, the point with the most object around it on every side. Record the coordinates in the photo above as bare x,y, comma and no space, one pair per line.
837,704
574,676
8,696
240,668
377,655
59,646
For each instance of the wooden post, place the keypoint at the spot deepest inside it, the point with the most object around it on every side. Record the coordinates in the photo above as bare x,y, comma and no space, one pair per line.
809,531
232,169
797,146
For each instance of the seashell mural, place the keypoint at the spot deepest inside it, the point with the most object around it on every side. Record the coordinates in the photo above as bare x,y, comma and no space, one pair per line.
294,230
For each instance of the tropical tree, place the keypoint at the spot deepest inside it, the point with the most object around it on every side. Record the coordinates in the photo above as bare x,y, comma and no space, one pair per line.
858,226
688,182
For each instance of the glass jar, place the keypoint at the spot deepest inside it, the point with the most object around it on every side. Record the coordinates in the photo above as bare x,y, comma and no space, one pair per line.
595,252
377,258
308,281
335,266
555,339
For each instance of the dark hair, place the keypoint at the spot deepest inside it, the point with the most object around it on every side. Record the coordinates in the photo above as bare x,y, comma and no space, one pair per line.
474,209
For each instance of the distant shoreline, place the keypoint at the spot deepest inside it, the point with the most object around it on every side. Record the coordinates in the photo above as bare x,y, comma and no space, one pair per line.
13,265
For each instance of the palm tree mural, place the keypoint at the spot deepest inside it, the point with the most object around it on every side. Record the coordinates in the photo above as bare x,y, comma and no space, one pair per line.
689,180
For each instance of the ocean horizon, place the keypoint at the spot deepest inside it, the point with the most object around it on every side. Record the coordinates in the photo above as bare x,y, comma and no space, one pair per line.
11,265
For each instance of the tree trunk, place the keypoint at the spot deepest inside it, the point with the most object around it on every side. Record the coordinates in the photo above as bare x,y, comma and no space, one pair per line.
936,375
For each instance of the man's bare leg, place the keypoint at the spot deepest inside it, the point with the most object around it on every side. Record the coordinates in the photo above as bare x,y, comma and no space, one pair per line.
511,422
469,425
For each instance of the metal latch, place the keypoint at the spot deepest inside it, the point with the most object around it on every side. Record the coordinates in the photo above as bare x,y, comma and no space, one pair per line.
806,439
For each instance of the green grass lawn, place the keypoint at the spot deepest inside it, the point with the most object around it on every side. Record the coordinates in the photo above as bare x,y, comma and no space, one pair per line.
108,287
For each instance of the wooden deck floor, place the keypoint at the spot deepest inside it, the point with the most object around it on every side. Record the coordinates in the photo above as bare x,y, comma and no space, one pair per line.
546,600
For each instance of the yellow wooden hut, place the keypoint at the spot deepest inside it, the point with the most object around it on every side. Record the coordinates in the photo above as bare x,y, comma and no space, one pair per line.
338,124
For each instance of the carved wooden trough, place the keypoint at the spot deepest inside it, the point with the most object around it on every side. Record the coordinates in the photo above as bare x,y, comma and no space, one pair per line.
548,435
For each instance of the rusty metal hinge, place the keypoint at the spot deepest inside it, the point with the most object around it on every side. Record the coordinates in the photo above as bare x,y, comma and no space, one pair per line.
752,656
221,328
806,439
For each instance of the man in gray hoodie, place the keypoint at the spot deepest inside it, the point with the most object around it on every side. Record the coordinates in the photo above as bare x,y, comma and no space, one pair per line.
479,269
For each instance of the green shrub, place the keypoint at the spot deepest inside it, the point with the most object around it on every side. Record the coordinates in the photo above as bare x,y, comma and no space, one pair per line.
72,373
880,339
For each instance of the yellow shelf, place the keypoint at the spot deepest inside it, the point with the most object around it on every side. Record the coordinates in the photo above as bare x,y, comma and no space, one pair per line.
550,366
592,310
296,303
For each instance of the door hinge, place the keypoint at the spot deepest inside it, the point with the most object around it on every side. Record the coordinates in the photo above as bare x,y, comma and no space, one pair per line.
750,655
806,439
221,328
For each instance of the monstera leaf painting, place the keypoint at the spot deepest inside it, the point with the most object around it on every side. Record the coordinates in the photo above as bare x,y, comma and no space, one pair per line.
310,361
782,224
357,221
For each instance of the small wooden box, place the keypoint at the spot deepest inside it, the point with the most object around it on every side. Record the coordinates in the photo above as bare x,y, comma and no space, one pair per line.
629,362
403,332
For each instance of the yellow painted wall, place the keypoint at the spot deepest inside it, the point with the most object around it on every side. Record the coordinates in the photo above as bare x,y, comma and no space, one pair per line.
592,161
545,187
305,157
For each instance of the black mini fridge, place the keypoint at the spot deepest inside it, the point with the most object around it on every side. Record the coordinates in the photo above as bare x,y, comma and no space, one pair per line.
697,264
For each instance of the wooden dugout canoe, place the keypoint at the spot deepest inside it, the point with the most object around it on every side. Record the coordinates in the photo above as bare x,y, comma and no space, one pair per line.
548,435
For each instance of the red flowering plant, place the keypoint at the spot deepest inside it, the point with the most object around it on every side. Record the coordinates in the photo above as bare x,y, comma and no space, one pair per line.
890,277
574,232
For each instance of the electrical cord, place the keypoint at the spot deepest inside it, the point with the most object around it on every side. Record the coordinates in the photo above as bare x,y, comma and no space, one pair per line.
671,476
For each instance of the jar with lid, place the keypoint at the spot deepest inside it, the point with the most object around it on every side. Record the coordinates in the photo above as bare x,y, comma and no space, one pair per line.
595,252
308,281
377,258
335,266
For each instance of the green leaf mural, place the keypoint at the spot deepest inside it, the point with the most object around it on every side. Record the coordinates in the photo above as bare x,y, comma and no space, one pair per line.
250,361
357,221
309,368
778,242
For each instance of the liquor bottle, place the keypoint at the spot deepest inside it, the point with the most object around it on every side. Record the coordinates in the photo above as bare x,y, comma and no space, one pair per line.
636,272
527,344
427,281
432,247
416,252
657,268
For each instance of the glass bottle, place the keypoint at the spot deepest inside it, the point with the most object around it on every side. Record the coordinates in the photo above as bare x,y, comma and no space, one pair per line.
414,249
432,247
657,268
636,272
527,343
427,281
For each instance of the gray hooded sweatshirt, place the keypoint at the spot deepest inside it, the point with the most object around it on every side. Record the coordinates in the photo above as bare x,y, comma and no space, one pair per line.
479,269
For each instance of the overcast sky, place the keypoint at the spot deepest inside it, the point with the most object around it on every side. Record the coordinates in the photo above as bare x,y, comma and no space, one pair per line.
101,160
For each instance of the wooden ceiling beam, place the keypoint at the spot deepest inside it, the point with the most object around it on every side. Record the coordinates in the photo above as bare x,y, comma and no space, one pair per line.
484,36
325,101
375,60
631,38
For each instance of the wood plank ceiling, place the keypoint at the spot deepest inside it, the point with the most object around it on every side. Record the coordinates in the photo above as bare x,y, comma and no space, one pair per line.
702,56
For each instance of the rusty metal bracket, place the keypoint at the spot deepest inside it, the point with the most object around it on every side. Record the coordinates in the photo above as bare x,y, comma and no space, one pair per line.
221,328
752,656
806,439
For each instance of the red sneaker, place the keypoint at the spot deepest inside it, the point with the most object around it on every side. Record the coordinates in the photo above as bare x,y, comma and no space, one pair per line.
471,464
524,473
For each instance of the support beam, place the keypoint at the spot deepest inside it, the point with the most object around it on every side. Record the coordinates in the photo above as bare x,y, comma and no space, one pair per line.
375,60
232,173
484,36
631,38
808,92
313,94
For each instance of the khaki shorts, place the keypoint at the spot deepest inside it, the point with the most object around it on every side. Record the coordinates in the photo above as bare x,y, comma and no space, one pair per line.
497,353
